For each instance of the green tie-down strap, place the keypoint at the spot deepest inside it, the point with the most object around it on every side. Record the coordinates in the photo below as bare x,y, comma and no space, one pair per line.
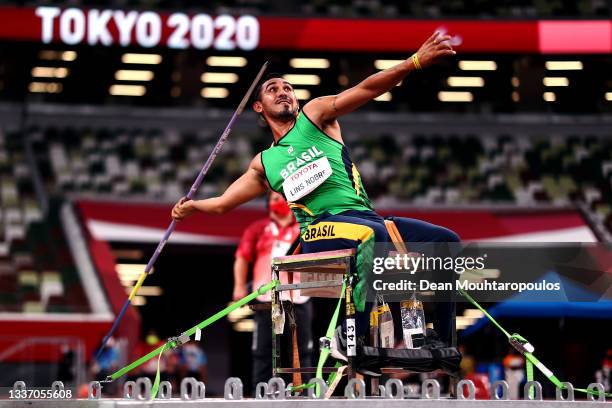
156,382
185,337
526,349
529,371
364,259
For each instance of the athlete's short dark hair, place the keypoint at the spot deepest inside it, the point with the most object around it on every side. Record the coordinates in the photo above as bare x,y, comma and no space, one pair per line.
257,94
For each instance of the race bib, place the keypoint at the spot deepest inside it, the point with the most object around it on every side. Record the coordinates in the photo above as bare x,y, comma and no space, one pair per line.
306,179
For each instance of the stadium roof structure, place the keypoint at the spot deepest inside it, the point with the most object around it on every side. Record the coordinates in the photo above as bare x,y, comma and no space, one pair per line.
158,58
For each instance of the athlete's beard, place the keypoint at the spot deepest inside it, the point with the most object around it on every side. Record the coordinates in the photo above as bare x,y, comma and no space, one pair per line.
285,114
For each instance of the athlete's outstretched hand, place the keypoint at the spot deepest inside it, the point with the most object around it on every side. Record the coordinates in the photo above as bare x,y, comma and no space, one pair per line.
436,48
183,208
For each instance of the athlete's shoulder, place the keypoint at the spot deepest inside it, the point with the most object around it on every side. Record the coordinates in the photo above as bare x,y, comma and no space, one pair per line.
312,124
312,108
257,163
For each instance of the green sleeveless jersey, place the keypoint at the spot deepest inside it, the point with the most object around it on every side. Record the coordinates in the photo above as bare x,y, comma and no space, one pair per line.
314,172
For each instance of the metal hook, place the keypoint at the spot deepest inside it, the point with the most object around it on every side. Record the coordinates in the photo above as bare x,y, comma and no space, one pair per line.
233,389
350,391
570,392
392,384
261,390
537,395
503,385
471,390
165,390
432,384
94,390
276,388
322,388
143,389
129,390
600,389
188,394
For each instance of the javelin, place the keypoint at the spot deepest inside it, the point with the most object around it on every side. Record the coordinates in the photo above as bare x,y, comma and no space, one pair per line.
194,188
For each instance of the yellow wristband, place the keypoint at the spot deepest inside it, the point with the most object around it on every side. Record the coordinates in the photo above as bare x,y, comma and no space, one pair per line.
415,61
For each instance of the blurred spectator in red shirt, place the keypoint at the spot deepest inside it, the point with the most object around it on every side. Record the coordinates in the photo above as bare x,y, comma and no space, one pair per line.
261,241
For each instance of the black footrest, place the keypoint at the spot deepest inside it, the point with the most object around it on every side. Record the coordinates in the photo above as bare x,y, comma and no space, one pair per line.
419,360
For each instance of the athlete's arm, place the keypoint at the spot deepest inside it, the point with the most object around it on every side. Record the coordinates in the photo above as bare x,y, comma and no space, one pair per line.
324,110
250,185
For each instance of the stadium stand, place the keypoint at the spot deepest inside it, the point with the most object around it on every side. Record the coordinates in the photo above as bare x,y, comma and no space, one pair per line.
155,164
39,274
36,270
423,169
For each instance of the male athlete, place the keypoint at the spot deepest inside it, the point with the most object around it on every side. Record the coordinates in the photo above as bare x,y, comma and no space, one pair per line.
310,165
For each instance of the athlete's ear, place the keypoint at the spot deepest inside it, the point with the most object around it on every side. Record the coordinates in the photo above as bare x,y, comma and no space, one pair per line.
257,106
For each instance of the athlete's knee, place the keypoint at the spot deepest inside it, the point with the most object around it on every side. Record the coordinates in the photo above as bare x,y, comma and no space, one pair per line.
447,235
413,230
438,233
